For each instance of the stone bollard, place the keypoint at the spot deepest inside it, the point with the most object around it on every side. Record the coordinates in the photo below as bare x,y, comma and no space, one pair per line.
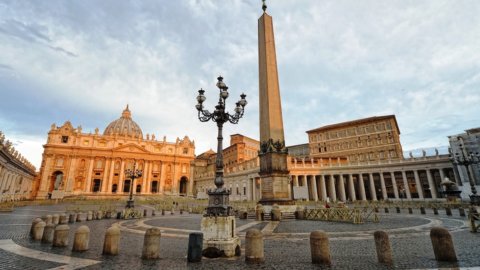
112,241
181,211
276,214
259,212
422,210
195,247
38,230
49,219
55,219
119,215
99,214
172,212
163,212
254,250
47,236
44,219
144,212
398,210
382,245
442,245
153,213
82,237
410,210
386,210
60,236
461,211
448,211
34,222
435,211
72,217
151,244
63,219
320,248
89,216
299,213
79,217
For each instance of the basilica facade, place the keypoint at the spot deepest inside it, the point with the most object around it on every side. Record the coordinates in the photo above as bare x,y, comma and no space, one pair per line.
94,164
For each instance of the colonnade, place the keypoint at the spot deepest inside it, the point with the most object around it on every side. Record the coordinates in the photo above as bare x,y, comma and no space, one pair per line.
370,185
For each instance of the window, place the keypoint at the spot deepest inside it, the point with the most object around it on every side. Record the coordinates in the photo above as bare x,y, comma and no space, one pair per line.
185,151
64,139
86,142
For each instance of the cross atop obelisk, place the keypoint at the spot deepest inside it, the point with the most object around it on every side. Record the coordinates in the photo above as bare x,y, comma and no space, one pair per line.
273,154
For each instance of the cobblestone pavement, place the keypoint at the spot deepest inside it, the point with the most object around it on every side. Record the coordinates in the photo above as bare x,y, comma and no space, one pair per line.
352,246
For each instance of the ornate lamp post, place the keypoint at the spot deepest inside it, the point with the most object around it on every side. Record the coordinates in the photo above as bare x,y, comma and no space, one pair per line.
132,174
218,197
466,159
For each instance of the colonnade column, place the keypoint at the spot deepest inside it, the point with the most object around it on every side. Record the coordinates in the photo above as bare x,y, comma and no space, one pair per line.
333,192
382,185
121,178
146,168
323,187
363,196
252,189
110,177
89,176
295,180
351,188
106,171
314,187
342,188
418,184
394,184
373,192
431,184
442,175
405,185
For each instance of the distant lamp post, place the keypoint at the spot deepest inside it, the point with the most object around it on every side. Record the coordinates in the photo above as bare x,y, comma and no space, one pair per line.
466,159
218,197
132,174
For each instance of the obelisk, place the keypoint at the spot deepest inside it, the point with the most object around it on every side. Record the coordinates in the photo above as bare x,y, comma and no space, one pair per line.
273,153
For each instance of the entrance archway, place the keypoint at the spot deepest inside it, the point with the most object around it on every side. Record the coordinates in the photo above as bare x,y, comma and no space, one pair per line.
183,185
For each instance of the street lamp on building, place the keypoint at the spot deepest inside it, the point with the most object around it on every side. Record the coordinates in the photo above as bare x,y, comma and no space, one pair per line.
132,174
466,159
218,197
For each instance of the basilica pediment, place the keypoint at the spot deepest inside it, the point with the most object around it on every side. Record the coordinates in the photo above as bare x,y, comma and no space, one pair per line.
130,148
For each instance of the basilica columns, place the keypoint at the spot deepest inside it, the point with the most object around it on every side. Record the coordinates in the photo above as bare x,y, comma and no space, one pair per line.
341,186
431,184
418,185
406,187
373,192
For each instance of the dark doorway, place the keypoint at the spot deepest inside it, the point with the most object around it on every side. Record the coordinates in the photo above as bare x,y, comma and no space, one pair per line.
154,188
96,185
139,189
183,185
126,186
114,188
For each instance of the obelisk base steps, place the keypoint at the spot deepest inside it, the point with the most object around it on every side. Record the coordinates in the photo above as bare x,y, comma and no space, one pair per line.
219,237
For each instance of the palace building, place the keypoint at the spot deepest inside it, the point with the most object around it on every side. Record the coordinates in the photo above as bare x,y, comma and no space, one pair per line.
368,139
78,163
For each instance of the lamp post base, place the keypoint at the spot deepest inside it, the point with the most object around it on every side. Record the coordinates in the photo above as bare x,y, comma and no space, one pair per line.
219,239
130,204
475,199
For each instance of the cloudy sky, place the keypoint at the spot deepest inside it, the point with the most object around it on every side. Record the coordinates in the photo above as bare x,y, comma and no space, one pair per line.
83,61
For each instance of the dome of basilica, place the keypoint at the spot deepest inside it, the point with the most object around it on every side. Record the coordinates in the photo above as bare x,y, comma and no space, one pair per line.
124,126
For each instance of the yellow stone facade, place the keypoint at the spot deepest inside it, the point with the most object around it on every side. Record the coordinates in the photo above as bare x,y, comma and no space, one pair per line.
78,163
368,139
